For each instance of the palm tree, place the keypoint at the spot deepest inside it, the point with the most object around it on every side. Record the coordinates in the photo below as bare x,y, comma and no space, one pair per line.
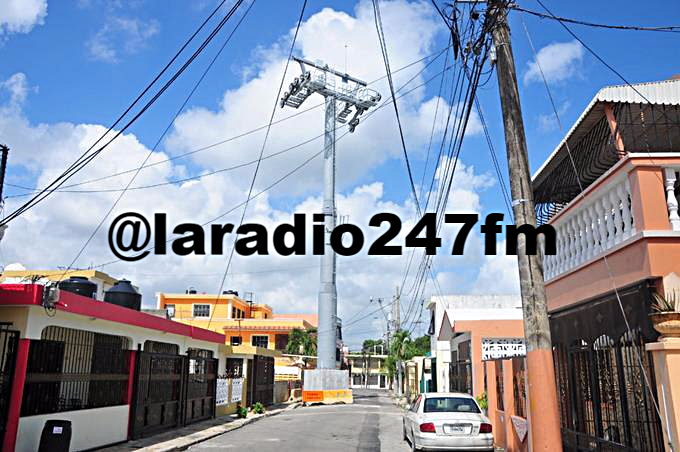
398,350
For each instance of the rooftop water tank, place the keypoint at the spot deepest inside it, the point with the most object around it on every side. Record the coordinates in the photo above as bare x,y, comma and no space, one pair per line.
79,285
124,294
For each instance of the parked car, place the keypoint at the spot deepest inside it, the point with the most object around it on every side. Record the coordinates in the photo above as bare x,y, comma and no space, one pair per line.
447,421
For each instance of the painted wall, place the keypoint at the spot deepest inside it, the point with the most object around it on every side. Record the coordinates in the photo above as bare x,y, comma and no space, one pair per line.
87,428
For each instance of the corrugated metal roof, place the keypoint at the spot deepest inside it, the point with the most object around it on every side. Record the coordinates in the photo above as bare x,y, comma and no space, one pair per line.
664,92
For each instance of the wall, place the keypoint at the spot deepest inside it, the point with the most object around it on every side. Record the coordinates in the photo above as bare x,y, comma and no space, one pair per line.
88,428
281,392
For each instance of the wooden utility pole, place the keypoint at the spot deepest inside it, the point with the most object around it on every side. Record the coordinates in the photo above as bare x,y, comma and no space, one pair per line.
544,421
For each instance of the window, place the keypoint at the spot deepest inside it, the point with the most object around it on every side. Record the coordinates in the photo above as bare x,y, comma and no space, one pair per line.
259,341
234,367
416,404
71,369
450,405
170,309
201,310
236,340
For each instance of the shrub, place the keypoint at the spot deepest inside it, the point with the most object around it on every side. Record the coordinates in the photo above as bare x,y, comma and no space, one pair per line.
258,408
483,401
241,412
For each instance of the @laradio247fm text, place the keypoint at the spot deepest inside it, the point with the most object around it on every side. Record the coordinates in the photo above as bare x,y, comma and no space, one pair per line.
131,234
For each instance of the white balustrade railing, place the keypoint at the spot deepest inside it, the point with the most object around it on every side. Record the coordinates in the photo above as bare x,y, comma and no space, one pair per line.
597,223
670,178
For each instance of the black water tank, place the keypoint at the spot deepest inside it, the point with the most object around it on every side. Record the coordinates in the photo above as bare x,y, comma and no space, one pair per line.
80,285
230,292
124,294
55,437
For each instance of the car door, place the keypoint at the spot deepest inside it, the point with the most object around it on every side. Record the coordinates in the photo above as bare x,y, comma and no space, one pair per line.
412,415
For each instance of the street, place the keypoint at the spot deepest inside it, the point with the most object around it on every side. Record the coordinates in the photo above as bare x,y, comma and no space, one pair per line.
372,423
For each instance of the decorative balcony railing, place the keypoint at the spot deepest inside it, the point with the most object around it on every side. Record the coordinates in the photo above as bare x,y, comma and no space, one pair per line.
671,175
592,226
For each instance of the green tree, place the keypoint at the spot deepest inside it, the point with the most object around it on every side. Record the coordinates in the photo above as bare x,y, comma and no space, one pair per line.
302,342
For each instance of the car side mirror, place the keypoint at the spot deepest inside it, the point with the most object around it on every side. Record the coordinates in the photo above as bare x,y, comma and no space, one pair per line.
408,406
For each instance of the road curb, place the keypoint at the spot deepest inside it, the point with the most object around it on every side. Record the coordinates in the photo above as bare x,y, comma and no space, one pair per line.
187,441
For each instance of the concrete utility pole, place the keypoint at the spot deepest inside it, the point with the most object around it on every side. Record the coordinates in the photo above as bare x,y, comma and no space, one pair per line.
396,325
544,424
350,96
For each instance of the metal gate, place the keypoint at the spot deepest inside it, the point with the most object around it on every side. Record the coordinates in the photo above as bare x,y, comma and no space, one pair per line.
200,389
261,380
460,377
602,370
158,392
9,339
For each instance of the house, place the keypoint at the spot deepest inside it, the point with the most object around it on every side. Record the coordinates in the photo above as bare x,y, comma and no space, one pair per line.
244,322
12,275
367,370
92,363
478,346
610,189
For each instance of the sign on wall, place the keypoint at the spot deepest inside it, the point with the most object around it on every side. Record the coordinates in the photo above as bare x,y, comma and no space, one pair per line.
502,348
222,391
236,390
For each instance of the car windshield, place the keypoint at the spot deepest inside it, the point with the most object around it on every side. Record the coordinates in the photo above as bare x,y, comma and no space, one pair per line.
450,405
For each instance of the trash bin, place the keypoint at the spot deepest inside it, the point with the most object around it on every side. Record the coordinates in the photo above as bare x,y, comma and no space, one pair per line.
56,436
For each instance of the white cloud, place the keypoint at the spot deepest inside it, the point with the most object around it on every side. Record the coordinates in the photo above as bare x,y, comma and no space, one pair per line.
17,88
498,274
121,35
61,223
559,62
20,16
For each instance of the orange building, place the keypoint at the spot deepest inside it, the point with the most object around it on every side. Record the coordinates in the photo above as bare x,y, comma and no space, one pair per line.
610,190
241,321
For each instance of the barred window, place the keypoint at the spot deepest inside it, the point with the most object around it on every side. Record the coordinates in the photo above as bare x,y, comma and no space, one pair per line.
201,310
71,369
236,340
259,341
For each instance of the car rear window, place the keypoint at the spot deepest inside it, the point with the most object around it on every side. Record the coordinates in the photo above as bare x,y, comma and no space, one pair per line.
450,405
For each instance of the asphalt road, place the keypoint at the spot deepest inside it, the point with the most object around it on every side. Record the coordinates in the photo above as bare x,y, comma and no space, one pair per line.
372,423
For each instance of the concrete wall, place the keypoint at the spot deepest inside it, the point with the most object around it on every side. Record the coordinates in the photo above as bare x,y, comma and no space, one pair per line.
91,428
281,392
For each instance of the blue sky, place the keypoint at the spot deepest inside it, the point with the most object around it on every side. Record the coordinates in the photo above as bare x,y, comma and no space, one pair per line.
82,62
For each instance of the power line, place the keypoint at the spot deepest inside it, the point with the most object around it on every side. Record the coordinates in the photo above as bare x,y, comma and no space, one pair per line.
160,138
301,165
605,260
666,29
434,57
259,161
85,159
383,49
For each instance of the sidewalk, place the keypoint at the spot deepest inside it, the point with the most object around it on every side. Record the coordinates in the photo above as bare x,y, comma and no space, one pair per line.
185,437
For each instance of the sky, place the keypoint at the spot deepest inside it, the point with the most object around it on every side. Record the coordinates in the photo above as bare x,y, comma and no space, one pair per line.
70,68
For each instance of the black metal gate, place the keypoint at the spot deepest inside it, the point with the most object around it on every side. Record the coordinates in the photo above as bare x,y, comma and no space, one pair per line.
158,393
200,389
460,377
261,380
9,339
602,372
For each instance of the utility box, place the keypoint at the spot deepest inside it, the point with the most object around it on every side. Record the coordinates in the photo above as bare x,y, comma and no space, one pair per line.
56,436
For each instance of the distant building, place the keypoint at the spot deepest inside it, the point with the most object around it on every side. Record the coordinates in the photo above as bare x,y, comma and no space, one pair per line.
367,370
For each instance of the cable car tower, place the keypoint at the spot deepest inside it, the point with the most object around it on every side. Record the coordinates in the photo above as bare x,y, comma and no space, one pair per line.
350,96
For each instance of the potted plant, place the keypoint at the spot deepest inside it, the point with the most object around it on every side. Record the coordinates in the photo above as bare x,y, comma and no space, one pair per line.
666,315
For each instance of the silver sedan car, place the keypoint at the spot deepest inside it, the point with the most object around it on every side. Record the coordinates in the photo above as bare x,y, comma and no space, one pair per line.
447,421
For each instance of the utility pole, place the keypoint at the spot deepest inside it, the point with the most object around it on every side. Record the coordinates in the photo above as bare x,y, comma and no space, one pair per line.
544,424
344,95
3,168
396,325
